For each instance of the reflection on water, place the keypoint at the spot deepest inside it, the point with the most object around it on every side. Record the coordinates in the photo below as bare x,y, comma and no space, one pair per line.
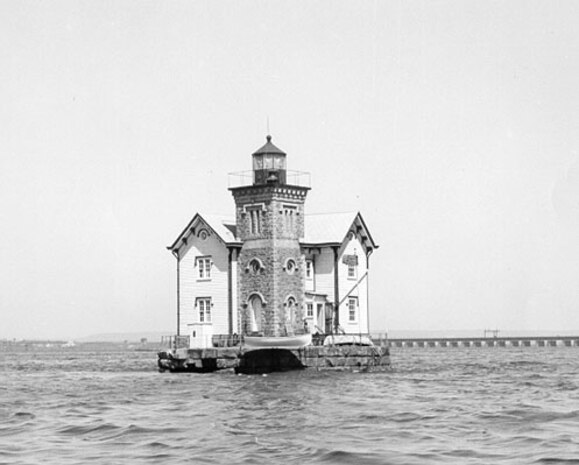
462,406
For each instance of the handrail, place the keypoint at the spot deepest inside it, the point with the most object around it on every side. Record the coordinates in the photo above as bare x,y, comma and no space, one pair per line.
175,342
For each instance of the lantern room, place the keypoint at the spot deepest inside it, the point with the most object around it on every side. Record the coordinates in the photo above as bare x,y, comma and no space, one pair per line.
269,165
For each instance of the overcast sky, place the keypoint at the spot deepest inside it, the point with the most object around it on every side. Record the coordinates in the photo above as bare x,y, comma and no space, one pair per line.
453,126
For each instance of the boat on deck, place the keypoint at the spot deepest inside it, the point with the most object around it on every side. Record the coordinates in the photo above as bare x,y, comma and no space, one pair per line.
277,342
348,340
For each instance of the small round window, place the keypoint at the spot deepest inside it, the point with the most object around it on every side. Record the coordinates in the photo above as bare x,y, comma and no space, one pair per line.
290,266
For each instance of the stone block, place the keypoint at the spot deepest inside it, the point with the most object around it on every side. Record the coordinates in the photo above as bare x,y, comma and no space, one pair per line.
195,353
356,361
209,353
223,363
326,362
229,353
339,361
197,363
311,352
331,351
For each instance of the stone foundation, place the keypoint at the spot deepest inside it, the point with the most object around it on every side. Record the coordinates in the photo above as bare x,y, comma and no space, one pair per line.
363,358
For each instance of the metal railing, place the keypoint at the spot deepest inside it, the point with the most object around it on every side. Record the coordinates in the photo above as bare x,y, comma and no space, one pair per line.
245,178
175,342
234,340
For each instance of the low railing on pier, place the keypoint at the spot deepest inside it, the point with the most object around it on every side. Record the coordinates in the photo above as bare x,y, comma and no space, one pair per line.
175,342
234,340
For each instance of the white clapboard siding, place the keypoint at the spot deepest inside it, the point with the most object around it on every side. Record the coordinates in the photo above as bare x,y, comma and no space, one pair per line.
352,246
324,273
191,287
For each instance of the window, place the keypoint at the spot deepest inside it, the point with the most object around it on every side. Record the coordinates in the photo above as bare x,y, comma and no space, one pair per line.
352,272
203,267
309,270
352,309
290,315
310,310
351,261
203,305
255,266
290,266
255,314
254,221
289,214
254,216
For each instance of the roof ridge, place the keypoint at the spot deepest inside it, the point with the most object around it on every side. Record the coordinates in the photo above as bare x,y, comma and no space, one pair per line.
353,212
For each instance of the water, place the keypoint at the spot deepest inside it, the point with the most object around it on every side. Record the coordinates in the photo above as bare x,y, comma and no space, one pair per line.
451,406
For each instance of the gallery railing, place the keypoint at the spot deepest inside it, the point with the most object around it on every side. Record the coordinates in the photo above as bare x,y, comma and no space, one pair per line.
246,178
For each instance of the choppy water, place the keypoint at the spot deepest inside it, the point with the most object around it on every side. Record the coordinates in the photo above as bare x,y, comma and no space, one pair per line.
457,406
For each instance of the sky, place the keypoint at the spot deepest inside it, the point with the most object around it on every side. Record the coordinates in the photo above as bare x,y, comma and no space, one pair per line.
452,126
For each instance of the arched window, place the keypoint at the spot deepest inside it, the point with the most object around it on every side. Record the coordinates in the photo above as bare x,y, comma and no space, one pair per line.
255,266
255,313
290,315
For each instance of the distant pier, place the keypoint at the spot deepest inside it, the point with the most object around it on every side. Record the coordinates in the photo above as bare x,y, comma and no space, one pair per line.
510,341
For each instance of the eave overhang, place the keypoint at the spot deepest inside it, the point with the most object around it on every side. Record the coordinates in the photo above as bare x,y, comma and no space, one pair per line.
182,238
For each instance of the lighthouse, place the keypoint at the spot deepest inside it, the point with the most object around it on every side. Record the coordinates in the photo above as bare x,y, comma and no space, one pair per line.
270,224
271,270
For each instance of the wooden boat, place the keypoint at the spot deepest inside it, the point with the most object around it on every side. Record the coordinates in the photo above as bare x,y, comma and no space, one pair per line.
347,340
280,342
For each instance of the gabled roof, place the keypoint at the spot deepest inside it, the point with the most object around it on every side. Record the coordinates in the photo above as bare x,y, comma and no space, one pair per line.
333,228
325,228
223,226
320,229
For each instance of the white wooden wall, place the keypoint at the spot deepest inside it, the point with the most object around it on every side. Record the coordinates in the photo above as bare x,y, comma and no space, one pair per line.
191,287
351,247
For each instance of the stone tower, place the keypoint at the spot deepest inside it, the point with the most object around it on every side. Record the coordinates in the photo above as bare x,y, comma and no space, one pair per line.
270,224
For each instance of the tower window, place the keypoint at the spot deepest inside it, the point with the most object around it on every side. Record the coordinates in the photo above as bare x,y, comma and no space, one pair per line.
203,267
289,213
255,266
290,266
255,217
203,305
255,221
